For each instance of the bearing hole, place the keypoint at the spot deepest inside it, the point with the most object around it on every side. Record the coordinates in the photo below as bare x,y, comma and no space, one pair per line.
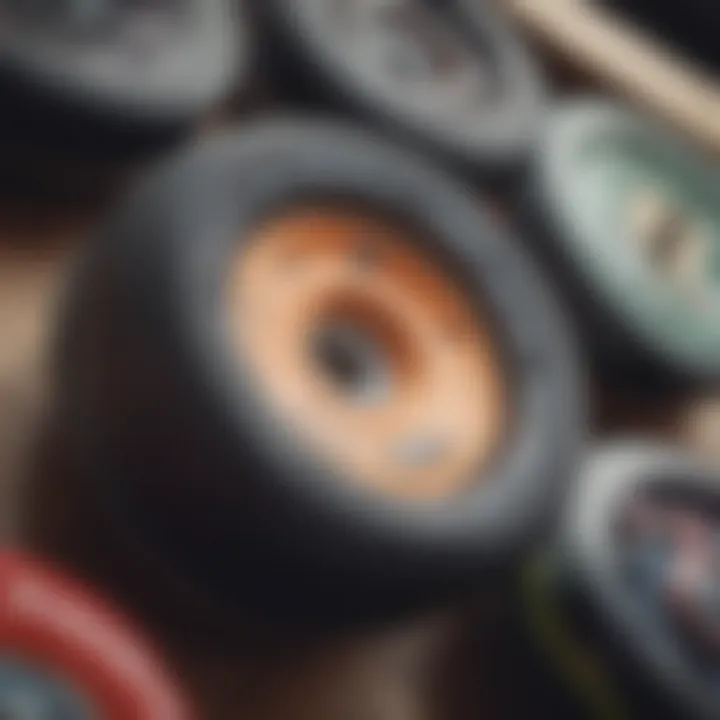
15,711
353,362
668,238
418,44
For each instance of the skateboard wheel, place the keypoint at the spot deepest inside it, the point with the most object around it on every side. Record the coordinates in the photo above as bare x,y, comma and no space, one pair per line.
450,77
368,382
627,215
65,655
633,572
110,78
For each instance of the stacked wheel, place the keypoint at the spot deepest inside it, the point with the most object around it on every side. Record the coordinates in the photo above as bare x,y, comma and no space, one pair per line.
303,353
113,80
626,216
64,654
450,78
623,602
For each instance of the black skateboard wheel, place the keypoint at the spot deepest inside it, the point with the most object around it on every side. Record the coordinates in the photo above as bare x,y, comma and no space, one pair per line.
632,581
110,78
66,655
302,349
451,77
628,217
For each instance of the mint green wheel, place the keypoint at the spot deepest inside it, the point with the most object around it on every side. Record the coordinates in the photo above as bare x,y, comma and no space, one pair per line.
629,216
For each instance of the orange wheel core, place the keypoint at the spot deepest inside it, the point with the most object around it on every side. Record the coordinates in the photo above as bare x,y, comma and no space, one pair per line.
369,351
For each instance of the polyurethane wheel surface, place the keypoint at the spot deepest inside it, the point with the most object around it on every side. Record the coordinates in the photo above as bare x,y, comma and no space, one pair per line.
628,215
67,655
636,559
450,77
304,352
113,78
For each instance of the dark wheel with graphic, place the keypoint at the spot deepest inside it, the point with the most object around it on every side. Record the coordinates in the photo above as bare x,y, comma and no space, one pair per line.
632,582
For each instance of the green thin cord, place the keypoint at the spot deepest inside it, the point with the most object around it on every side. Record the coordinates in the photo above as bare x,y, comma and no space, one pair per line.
578,667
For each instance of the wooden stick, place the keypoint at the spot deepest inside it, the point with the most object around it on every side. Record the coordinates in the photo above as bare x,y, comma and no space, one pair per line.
606,46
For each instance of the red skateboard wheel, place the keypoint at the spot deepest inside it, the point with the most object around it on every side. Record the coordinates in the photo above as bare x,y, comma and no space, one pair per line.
66,655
